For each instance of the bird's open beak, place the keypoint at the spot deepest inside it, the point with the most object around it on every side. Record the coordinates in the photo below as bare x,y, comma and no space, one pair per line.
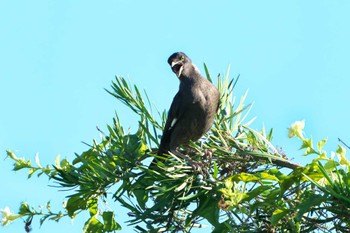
177,67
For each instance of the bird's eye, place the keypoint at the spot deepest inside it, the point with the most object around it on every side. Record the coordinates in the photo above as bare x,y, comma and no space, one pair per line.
182,58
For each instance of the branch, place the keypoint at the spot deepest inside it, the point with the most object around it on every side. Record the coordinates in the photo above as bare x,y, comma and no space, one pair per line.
286,163
343,143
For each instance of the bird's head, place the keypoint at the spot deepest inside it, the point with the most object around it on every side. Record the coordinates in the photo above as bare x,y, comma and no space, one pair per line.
177,62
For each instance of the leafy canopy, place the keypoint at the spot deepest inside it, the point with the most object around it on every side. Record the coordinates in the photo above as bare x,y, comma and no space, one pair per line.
247,188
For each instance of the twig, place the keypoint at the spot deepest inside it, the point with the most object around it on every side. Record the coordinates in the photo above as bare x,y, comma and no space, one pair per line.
343,143
286,163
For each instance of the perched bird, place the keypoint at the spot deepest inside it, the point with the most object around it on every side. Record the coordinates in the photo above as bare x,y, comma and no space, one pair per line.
193,109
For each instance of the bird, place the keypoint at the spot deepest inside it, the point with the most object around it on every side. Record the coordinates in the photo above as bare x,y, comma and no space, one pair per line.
193,108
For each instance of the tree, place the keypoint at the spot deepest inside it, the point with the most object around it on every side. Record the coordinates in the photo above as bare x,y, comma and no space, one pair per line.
246,189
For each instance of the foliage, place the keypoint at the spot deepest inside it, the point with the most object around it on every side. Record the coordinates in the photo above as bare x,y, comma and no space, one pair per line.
246,187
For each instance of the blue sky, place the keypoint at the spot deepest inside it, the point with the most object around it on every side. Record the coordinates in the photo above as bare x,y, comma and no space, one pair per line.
58,56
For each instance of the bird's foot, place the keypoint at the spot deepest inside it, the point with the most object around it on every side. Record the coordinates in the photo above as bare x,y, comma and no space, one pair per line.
208,157
196,165
208,154
200,167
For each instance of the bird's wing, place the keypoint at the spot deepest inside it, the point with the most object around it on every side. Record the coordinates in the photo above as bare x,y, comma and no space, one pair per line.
174,113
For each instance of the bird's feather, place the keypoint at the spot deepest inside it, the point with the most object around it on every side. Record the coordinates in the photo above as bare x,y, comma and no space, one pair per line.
192,111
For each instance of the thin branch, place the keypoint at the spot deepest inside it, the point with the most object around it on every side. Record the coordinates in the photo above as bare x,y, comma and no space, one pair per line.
343,143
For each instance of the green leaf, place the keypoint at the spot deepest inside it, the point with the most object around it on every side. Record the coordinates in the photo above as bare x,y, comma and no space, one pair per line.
31,172
320,144
246,177
180,187
266,176
223,228
207,73
307,203
277,173
307,143
341,152
278,215
309,151
21,163
208,209
269,136
192,196
330,165
109,222
93,225
254,193
93,207
216,170
131,143
141,196
75,203
24,209
11,155
323,156
287,183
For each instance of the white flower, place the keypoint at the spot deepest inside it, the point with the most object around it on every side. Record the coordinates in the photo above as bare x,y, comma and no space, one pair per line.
332,154
296,129
7,216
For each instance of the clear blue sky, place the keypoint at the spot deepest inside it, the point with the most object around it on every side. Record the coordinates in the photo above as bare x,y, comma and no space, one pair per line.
56,58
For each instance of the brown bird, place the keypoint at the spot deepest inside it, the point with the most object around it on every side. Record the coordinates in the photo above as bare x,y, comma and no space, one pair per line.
193,109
